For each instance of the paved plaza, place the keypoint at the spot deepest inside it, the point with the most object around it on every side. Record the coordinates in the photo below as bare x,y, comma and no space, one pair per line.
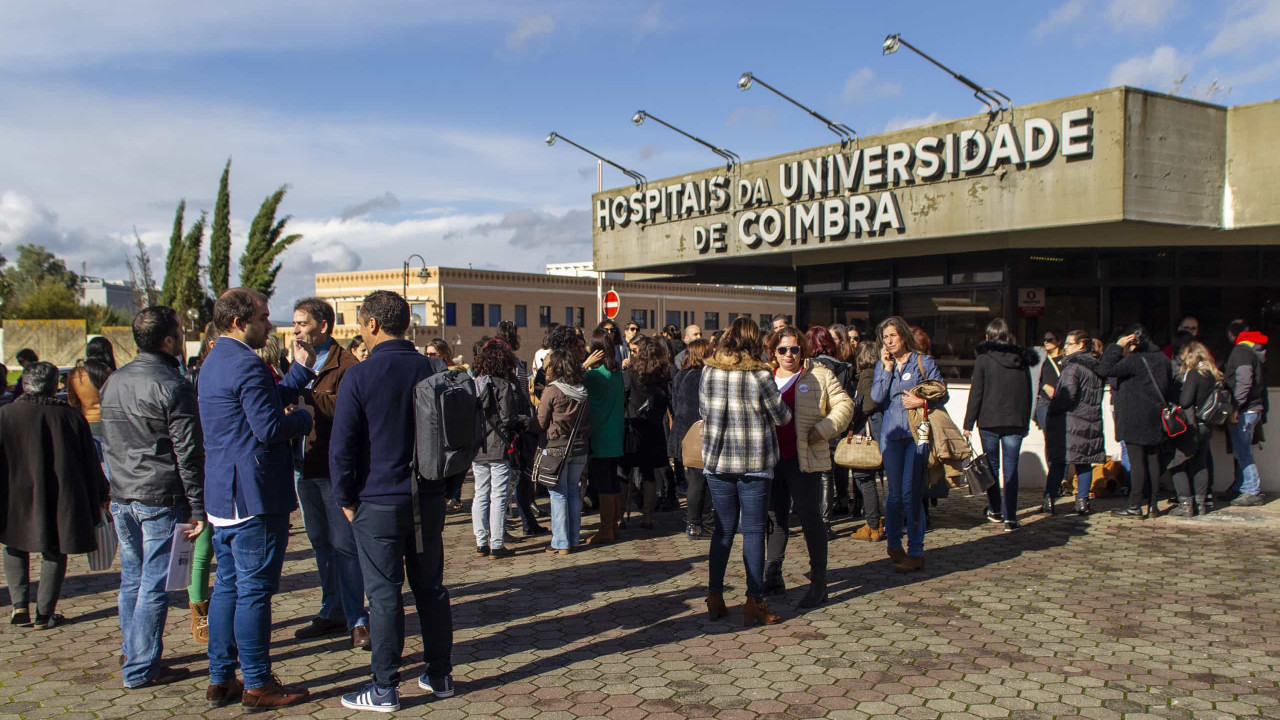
1092,617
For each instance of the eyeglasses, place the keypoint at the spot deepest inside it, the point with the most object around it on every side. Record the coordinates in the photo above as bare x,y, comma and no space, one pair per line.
1051,339
632,328
1189,328
789,350
432,353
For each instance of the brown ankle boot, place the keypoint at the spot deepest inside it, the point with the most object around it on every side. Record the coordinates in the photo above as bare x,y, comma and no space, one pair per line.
756,612
866,532
715,605
897,554
911,563
604,536
200,622
272,695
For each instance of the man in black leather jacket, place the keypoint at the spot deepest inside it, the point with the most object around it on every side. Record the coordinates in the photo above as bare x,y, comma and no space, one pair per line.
155,451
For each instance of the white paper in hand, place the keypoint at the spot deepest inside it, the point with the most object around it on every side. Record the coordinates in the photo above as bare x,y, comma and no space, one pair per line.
180,558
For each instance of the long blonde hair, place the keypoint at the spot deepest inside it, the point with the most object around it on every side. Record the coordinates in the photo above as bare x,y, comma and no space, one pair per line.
1195,356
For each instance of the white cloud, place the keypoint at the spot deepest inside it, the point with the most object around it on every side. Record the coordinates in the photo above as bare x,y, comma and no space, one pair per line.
385,201
1253,25
1061,17
648,23
902,123
528,29
1156,71
754,116
861,86
25,221
1140,14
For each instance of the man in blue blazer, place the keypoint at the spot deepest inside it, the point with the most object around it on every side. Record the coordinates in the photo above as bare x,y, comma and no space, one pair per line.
249,422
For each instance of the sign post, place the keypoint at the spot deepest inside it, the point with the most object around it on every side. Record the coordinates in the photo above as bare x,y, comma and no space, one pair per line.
612,304
1031,302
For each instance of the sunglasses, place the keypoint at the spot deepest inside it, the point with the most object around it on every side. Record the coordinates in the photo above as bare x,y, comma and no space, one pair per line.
789,350
433,354
1051,339
855,338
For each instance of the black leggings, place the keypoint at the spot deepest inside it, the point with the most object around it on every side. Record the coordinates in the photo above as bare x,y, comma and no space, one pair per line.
803,491
1191,478
603,473
1144,473
697,499
17,571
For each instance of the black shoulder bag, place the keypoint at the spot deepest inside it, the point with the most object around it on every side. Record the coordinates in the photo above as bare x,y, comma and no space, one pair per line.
549,460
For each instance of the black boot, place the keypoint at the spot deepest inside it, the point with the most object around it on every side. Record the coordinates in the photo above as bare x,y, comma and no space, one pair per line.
1131,511
1202,505
1183,508
817,592
773,582
1047,505
1082,507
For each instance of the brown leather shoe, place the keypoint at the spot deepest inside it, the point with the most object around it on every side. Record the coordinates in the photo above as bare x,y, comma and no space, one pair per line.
756,612
715,605
200,622
897,554
272,695
866,532
223,695
910,563
360,638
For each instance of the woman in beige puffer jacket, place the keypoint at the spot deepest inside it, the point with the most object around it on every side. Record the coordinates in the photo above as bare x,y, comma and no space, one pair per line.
821,410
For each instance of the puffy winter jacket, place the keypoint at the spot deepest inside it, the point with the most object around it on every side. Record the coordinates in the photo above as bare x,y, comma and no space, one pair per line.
821,403
1073,424
501,404
1000,392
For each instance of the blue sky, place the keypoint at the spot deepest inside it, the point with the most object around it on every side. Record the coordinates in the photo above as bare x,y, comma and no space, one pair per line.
409,126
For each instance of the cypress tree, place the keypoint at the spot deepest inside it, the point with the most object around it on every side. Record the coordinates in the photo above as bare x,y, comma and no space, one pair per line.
258,264
220,237
189,290
173,259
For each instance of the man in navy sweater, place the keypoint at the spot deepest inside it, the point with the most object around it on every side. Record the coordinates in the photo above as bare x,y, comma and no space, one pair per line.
370,462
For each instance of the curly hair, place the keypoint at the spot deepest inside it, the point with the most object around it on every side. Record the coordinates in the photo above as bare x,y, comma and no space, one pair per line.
650,362
565,367
775,339
494,358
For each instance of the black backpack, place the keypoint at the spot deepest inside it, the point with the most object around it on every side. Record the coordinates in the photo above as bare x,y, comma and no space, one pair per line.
448,423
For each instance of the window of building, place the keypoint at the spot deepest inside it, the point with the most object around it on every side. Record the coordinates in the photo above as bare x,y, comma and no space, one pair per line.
580,317
955,321
417,314
450,314
711,322
977,268
495,315
340,320
766,320
918,272
568,317
732,317
640,318
544,316
873,275
477,314
673,318
1054,267
522,316
824,278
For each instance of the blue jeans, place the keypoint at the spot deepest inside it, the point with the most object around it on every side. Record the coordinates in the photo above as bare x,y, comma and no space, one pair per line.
904,473
146,540
566,504
1003,450
1058,471
737,497
250,556
489,506
341,584
1248,482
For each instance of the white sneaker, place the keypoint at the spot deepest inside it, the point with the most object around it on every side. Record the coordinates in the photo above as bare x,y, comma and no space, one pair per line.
441,687
372,699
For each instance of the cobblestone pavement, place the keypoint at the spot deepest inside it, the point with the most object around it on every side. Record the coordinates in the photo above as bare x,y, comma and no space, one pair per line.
1092,617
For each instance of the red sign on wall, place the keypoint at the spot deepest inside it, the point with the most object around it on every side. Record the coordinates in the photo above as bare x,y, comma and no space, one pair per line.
612,304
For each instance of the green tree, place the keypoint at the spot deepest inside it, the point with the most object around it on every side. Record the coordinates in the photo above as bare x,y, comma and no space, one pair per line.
98,316
258,265
34,267
49,300
220,237
173,259
189,291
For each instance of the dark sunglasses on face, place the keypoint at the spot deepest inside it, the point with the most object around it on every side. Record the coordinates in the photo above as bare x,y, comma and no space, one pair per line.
789,350
1051,339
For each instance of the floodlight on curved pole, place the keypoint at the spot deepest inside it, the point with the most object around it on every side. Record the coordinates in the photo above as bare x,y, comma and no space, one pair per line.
729,156
423,274
992,98
845,133
636,177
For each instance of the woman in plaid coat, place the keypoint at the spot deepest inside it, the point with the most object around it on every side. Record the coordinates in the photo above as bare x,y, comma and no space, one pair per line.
740,407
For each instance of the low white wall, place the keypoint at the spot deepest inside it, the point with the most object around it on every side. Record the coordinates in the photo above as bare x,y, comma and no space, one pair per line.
1032,468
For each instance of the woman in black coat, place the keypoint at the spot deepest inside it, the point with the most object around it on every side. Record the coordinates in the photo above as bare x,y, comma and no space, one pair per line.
1073,422
51,490
1000,404
1143,386
866,420
684,413
648,397
1191,473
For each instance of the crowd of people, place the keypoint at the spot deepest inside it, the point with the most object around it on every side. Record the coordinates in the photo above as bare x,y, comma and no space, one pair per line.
744,423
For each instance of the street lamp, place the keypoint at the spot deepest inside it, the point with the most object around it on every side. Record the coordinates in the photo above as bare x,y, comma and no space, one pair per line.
845,133
194,316
423,274
729,157
636,177
993,99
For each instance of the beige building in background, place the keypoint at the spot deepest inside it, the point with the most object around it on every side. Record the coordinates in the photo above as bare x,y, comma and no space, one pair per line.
463,305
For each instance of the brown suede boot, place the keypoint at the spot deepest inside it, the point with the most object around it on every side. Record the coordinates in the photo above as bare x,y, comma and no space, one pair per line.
200,622
910,563
608,511
272,695
715,605
866,532
756,612
897,554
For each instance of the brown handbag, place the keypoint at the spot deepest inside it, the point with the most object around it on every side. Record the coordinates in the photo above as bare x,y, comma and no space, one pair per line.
859,452
691,446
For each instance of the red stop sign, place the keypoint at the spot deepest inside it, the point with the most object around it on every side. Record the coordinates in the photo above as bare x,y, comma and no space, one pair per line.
612,304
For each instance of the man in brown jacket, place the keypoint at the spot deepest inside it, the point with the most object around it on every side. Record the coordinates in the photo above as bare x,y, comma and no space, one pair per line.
341,583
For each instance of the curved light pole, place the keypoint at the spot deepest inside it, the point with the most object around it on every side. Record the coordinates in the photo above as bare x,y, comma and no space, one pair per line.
844,132
730,157
423,274
636,177
992,98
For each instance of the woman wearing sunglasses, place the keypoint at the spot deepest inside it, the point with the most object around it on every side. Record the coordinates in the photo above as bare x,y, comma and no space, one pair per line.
821,410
